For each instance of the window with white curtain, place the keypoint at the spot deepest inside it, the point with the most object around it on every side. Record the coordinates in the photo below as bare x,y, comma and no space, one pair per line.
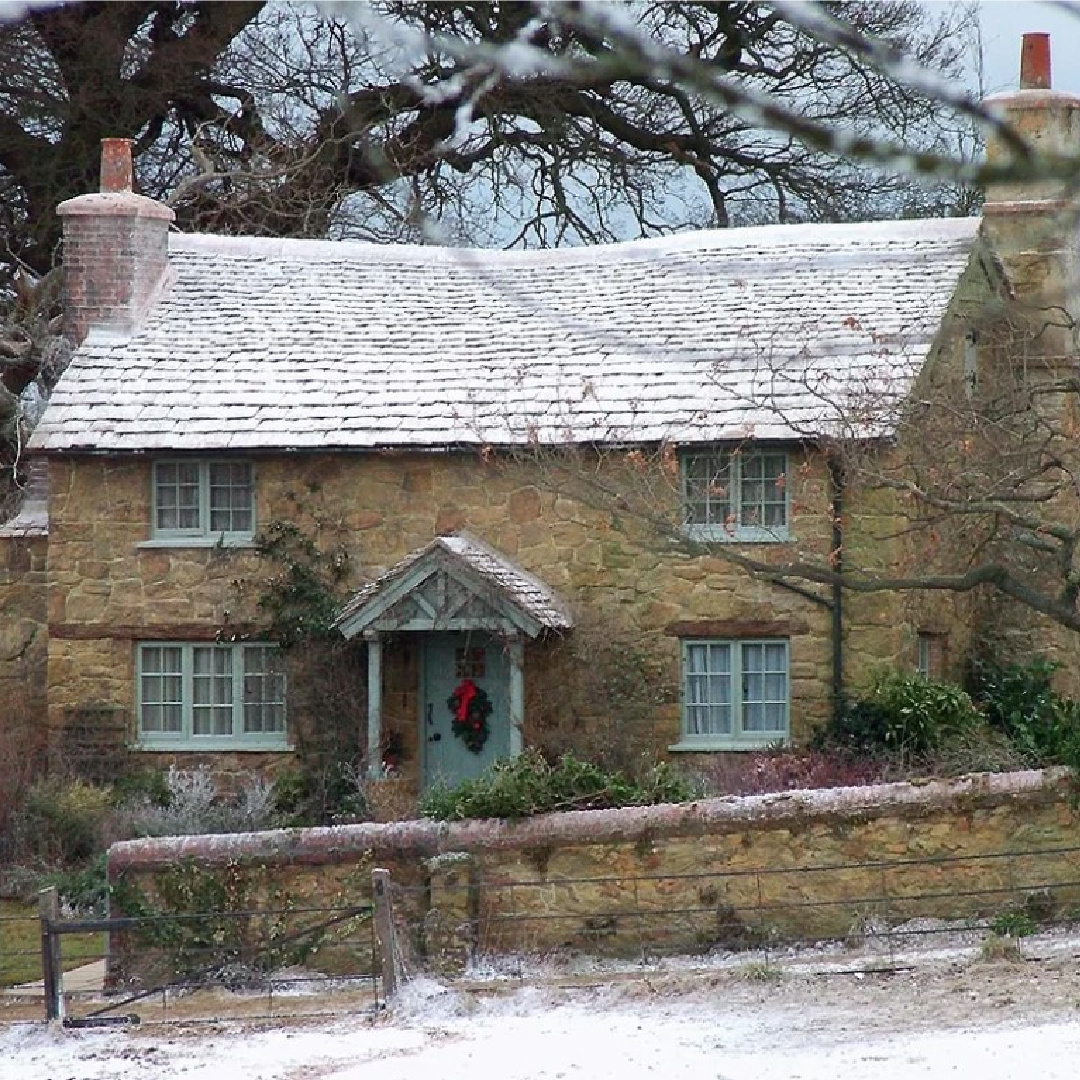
211,696
735,694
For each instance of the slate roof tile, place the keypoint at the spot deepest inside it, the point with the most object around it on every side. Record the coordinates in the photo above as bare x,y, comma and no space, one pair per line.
266,344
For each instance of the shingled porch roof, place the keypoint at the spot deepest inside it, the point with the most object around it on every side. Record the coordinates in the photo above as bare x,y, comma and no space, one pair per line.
261,344
454,583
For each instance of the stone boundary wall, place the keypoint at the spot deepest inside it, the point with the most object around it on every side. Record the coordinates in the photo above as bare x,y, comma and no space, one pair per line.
679,877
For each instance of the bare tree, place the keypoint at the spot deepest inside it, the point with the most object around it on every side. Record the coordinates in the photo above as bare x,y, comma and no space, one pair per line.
973,474
527,123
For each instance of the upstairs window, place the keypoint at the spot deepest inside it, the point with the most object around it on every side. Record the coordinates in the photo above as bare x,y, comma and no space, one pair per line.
735,495
204,501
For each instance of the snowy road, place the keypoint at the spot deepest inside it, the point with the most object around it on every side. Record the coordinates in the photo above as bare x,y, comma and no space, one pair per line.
994,1021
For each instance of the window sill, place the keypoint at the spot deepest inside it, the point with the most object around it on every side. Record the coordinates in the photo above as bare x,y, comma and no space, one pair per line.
711,746
217,746
198,542
718,534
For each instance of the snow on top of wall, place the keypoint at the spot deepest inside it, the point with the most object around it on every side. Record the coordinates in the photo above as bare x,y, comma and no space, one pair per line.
342,843
769,333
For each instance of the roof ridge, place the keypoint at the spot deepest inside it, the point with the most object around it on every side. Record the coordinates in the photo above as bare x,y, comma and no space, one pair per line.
689,241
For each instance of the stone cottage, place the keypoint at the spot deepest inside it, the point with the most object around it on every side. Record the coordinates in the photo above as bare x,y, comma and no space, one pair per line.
549,471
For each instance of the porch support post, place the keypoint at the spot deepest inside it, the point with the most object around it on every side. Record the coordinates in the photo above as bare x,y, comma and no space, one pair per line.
374,704
517,695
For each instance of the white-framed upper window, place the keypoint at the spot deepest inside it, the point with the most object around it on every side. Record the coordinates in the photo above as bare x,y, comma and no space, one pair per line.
735,494
204,696
203,500
735,694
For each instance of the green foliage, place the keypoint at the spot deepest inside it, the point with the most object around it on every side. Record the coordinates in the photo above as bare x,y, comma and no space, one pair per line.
149,784
207,921
1018,699
329,795
63,821
1013,924
86,890
901,714
529,784
195,918
300,600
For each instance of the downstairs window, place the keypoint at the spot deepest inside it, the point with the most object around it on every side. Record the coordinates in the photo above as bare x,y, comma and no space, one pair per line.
210,697
735,694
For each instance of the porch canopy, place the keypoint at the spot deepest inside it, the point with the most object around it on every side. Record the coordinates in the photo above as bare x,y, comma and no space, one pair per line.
455,583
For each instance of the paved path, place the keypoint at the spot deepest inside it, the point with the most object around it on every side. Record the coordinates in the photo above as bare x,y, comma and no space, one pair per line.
88,978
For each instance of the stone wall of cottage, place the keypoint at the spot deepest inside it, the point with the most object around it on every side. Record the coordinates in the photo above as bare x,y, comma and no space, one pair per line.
723,872
627,587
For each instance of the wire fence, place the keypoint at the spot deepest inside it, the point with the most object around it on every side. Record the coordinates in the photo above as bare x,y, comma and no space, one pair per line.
884,907
252,963
270,961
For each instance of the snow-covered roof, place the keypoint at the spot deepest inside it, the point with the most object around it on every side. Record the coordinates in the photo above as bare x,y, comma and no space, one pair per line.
479,572
769,332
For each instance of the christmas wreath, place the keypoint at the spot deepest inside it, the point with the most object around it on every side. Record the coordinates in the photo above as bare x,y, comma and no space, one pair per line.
470,708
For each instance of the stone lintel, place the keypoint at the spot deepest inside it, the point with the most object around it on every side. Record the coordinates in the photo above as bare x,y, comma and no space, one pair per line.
736,628
186,631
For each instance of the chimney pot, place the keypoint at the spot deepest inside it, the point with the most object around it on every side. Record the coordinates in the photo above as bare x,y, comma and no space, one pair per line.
116,174
1035,62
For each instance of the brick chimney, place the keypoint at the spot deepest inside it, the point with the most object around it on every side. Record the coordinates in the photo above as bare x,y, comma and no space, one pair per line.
116,250
1032,224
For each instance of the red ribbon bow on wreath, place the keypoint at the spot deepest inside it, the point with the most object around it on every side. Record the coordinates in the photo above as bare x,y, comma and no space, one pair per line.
464,695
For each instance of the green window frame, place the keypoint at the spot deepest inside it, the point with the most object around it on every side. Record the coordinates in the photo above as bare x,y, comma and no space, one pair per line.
736,694
735,495
203,500
209,696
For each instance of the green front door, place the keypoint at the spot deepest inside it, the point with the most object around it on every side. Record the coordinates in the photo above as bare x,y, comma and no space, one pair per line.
449,659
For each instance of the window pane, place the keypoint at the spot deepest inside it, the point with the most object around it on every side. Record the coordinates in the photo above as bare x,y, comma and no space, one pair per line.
762,498
234,690
231,497
707,489
176,494
212,690
264,690
707,690
764,687
161,689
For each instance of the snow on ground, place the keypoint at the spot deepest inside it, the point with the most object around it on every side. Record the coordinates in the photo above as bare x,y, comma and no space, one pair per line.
951,1017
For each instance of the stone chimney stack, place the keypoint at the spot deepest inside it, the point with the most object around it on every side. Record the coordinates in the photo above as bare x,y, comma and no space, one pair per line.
1032,224
116,250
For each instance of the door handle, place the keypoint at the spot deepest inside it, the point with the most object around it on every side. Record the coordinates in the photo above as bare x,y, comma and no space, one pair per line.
429,708
437,737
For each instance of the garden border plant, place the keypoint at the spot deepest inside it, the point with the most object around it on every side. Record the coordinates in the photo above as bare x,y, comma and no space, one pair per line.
529,784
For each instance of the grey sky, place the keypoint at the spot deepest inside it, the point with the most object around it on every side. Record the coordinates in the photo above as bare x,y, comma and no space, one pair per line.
1004,22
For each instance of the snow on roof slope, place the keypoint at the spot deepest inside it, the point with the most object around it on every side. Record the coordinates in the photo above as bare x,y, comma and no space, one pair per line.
763,332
